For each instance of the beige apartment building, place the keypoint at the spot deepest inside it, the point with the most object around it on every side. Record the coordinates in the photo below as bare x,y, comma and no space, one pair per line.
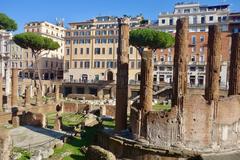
91,50
51,63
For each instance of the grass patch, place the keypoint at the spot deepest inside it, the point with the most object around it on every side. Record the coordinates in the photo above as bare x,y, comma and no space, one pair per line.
161,107
72,149
25,153
68,119
109,123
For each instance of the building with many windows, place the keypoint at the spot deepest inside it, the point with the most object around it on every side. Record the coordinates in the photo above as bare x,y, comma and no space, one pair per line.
51,63
200,17
91,50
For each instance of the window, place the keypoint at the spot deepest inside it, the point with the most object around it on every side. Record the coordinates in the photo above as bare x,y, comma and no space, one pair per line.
109,64
163,21
75,34
169,57
211,18
110,51
87,64
97,50
192,68
201,58
110,40
75,41
87,50
67,41
104,40
132,64
201,49
46,63
194,20
201,68
97,64
131,50
103,64
201,38
68,51
67,65
161,68
75,51
219,19
97,40
169,68
81,64
103,50
186,10
193,39
139,64
68,33
75,64
202,20
81,50
171,21
224,18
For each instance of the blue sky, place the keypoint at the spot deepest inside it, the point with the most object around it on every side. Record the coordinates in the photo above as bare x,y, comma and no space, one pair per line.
24,11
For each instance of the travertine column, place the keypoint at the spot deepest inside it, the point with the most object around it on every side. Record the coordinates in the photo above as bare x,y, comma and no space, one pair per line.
213,64
234,77
57,93
122,76
180,62
27,96
38,96
1,93
14,95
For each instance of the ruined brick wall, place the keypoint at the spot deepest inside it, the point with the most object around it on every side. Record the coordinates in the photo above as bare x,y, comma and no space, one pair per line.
162,128
74,107
33,119
197,122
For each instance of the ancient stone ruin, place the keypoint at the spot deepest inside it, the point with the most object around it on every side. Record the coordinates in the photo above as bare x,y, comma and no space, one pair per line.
196,124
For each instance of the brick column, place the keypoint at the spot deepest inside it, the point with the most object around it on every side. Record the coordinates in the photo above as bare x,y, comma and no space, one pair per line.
14,96
146,85
1,93
27,96
234,77
213,64
180,62
122,76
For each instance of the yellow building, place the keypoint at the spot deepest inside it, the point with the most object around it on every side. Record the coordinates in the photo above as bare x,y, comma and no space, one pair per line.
51,63
91,50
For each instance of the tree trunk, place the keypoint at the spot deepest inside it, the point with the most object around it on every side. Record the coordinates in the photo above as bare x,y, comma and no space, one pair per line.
38,71
146,88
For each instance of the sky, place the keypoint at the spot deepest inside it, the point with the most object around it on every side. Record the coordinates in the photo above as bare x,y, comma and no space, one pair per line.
24,11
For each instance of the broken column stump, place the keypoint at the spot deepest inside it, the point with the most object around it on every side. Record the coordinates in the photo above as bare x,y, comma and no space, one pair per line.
14,95
122,76
234,78
27,98
213,64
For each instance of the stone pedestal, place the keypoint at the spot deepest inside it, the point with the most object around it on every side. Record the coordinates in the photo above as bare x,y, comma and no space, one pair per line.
122,76
14,95
234,78
57,93
15,121
39,96
213,64
58,123
180,62
27,96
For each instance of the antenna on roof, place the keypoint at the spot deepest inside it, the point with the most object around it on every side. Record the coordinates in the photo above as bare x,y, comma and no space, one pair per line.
60,22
